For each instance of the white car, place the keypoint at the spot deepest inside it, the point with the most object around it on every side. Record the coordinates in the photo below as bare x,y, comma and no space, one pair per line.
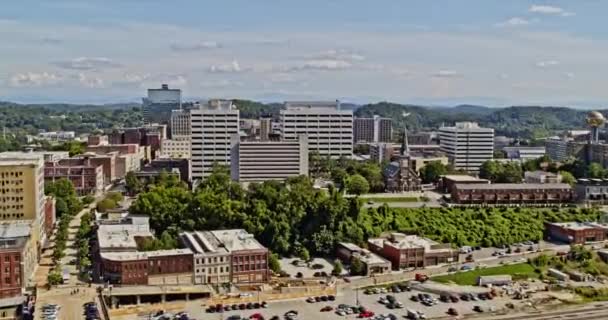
341,312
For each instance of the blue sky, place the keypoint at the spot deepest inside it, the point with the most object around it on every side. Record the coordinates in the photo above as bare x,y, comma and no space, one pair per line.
492,52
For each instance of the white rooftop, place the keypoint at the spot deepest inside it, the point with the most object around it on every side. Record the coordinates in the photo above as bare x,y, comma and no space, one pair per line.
143,255
120,237
403,241
462,178
237,240
15,229
203,242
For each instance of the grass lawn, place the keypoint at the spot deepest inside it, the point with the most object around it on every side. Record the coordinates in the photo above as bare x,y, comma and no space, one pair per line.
520,270
393,199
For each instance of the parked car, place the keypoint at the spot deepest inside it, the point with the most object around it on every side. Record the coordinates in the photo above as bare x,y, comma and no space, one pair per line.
452,312
327,309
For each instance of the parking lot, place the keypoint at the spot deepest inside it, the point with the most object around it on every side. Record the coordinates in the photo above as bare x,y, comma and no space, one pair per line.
311,311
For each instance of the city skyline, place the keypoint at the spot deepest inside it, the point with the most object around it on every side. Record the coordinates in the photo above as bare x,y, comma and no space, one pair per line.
488,52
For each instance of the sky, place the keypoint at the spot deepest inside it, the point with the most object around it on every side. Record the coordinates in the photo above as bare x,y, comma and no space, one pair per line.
434,52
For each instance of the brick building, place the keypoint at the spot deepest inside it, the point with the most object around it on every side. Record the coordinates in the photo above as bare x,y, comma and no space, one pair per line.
512,193
184,166
411,251
373,263
18,258
86,177
576,232
249,259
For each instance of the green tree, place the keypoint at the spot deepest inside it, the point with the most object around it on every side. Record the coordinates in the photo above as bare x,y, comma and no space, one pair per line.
132,184
568,178
115,196
357,184
273,263
431,172
511,172
356,267
88,199
490,170
54,278
337,268
595,170
339,176
106,204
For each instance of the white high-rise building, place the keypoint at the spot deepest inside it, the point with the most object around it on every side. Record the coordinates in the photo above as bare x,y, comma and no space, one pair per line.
258,161
212,126
467,145
329,128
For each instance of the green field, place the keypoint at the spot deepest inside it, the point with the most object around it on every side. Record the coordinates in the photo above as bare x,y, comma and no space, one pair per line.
518,271
393,199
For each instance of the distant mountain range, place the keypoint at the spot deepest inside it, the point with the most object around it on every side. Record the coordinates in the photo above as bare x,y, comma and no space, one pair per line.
515,121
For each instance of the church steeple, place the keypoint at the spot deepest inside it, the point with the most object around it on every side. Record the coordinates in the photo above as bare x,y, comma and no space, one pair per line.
405,148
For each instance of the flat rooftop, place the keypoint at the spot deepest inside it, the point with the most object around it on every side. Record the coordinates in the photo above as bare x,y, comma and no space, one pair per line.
143,255
579,225
15,229
513,186
237,240
402,241
120,237
203,242
462,178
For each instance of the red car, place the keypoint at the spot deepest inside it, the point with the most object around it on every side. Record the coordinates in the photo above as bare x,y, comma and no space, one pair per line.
257,316
327,309
366,314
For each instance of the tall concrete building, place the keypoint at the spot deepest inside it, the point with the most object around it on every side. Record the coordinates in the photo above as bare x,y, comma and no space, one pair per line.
467,145
212,126
160,103
22,192
265,128
374,129
258,161
329,128
180,123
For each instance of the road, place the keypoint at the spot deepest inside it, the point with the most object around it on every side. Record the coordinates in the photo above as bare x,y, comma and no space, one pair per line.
71,303
589,311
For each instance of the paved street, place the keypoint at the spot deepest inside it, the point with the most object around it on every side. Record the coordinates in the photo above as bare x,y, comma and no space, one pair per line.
71,304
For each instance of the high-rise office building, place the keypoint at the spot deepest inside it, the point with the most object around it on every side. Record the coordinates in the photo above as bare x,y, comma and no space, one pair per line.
328,127
180,123
258,161
160,103
22,185
467,145
212,126
265,128
374,129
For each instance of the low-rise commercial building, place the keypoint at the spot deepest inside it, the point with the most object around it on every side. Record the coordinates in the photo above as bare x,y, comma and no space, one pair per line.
494,280
411,251
178,147
18,258
524,153
249,259
212,261
86,177
540,176
592,190
512,193
170,165
575,232
373,263
447,182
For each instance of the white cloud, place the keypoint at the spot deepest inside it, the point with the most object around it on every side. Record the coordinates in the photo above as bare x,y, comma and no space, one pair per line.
176,80
90,82
136,78
224,83
547,63
195,46
88,63
503,76
51,40
339,54
550,10
446,74
569,75
232,67
513,22
322,64
34,79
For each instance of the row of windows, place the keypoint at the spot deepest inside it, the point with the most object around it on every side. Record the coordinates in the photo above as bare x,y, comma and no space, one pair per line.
213,270
11,174
5,199
252,267
15,206
8,190
11,215
13,182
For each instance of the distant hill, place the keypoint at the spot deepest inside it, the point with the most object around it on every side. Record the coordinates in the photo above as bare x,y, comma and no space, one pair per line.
516,121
